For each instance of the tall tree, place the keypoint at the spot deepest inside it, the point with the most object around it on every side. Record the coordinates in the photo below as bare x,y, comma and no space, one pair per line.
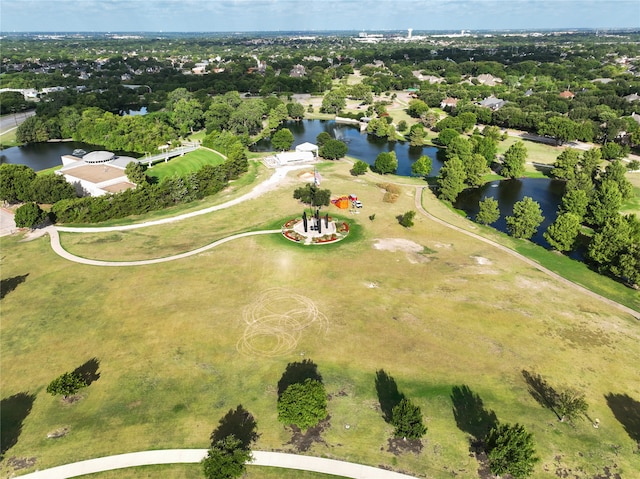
15,182
282,139
29,215
406,417
303,404
475,167
511,450
616,171
563,232
226,459
488,212
386,162
514,160
333,149
526,218
566,164
421,167
451,179
605,204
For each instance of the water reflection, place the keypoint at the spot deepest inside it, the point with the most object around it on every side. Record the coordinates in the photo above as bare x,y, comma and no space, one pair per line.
547,192
361,145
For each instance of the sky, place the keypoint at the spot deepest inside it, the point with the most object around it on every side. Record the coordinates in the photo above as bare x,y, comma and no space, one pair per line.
312,15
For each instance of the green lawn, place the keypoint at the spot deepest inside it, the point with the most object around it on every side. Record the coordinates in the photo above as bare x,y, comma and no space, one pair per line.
186,164
194,471
176,342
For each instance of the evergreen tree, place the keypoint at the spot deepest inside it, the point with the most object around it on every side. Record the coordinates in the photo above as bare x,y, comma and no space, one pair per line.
526,218
474,167
451,179
615,171
563,232
566,164
226,459
605,204
406,417
488,212
303,404
514,160
511,450
575,201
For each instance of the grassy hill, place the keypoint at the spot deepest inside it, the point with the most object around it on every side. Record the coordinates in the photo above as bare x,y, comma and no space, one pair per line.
181,343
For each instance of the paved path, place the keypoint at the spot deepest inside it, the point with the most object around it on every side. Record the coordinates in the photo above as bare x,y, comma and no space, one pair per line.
190,456
57,247
259,190
420,207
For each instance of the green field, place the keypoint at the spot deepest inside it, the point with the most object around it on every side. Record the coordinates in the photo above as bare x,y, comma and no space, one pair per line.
194,471
176,342
186,164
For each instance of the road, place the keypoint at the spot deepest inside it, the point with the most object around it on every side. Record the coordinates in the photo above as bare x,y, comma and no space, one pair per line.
11,121
191,456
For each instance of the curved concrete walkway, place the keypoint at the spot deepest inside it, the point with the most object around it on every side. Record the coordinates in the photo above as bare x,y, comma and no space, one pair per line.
57,247
190,456
259,190
423,211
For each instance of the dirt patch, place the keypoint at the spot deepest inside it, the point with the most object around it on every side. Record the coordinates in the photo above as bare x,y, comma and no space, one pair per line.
306,176
302,441
17,463
397,244
397,446
74,398
60,432
482,261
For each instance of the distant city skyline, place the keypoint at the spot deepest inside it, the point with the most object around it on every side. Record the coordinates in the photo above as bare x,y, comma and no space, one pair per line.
312,15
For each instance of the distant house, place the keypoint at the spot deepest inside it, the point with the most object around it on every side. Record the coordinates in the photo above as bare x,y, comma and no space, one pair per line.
529,92
632,97
488,79
429,78
297,71
449,103
567,95
492,102
636,117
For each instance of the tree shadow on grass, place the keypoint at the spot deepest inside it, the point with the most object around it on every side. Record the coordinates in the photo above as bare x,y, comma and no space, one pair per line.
388,394
298,372
470,414
89,371
13,411
627,412
240,423
542,391
9,284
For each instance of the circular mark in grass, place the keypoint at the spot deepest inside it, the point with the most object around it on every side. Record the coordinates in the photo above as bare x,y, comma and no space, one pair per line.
275,321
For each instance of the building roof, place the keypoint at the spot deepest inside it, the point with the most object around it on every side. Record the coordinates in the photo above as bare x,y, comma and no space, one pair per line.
632,97
98,157
567,94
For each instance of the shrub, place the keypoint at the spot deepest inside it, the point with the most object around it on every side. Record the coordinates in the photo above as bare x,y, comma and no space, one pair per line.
29,215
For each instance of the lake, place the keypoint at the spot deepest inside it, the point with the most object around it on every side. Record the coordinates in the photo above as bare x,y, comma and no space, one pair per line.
360,145
545,191
41,156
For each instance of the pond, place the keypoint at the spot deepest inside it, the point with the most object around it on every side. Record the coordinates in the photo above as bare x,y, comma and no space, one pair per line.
360,145
547,192
40,156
